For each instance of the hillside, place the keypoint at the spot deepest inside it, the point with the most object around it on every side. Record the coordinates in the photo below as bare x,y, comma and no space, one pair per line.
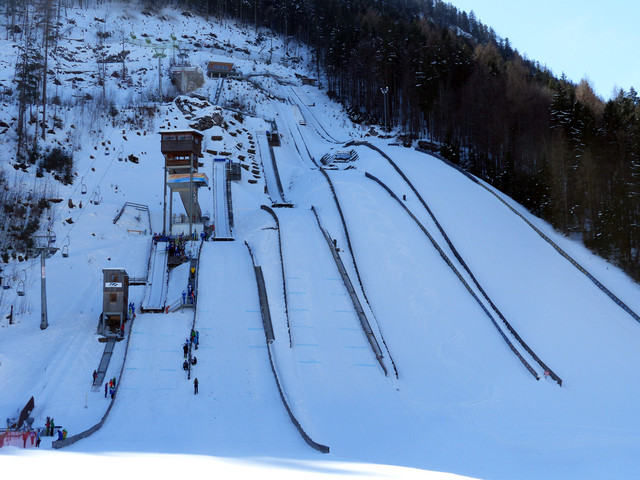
406,370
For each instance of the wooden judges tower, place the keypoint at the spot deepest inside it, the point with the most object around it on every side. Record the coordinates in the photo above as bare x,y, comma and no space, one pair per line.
182,150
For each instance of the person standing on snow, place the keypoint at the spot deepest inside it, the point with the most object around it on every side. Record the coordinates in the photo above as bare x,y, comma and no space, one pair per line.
95,375
184,297
106,389
195,386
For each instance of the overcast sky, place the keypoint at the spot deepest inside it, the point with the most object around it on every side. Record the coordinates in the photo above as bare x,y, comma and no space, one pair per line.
598,40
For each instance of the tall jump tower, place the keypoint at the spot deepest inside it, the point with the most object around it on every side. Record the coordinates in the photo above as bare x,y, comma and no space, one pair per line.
182,150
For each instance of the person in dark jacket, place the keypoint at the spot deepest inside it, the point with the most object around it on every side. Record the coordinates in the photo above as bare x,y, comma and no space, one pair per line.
95,375
106,389
195,386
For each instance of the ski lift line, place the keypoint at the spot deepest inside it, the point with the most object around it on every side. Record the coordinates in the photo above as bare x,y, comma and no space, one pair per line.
464,265
460,277
89,169
284,281
556,247
355,266
75,221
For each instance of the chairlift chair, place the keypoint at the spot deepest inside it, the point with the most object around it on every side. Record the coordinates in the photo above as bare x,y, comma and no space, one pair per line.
96,196
65,251
21,291
83,189
5,284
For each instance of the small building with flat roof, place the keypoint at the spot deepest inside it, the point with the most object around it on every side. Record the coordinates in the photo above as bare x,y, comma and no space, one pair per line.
220,69
115,299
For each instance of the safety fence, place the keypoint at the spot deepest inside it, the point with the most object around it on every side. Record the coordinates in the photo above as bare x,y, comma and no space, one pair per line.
366,327
136,206
194,278
12,438
353,257
459,275
264,307
284,281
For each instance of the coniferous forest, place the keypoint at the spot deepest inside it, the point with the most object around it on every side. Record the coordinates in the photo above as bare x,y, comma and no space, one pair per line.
454,86
553,145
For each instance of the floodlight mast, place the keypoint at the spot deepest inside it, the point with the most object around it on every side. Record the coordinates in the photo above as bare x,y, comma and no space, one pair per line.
384,92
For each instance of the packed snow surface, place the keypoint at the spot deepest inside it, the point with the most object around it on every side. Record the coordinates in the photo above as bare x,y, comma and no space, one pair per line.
461,403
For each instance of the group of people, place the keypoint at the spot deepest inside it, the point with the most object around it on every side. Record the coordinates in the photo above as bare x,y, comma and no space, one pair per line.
192,341
185,364
189,293
49,427
110,387
195,338
175,245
